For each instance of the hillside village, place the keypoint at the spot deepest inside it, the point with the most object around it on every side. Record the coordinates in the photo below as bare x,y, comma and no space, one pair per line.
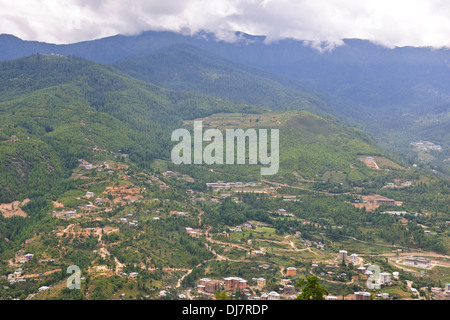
426,145
235,150
149,235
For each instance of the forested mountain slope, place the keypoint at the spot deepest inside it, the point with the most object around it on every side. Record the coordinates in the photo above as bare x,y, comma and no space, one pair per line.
188,68
396,94
55,110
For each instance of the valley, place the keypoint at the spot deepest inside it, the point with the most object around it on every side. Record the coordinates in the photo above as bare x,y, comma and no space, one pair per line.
177,232
87,180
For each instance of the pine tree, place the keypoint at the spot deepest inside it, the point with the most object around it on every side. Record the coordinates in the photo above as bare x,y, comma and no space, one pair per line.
312,290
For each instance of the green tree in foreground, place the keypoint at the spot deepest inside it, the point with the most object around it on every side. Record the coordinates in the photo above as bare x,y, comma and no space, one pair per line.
221,296
312,290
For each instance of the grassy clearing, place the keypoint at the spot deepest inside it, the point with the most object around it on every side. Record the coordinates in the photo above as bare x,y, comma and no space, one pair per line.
384,163
353,246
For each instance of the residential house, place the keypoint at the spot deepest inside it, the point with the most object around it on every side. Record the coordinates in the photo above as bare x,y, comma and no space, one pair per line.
291,271
342,255
89,194
418,262
385,278
260,283
362,296
233,283
273,296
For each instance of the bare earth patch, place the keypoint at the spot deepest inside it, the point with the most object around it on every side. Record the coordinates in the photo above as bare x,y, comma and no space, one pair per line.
57,204
13,209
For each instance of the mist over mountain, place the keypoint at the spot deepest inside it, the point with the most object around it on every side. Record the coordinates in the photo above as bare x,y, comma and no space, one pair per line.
360,71
397,95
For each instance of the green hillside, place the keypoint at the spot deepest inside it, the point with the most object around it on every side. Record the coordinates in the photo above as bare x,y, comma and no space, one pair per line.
315,145
70,106
140,227
311,147
187,68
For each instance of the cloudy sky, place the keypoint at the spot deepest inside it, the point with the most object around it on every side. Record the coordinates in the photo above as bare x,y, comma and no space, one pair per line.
387,22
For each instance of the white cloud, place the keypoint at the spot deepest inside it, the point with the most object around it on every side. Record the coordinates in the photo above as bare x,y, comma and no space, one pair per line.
388,22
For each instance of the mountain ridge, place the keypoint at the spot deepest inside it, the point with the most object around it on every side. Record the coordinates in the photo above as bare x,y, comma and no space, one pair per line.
87,106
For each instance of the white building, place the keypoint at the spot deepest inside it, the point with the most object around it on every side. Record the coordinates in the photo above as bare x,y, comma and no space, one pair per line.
383,295
418,262
362,295
70,214
385,278
89,194
273,296
342,255
354,258
362,269
259,252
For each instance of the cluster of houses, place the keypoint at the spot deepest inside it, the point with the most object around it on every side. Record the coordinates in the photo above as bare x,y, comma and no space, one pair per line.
426,145
245,225
363,295
132,275
133,223
393,185
383,277
87,207
401,213
23,258
168,173
64,213
273,295
439,292
385,201
233,283
230,283
16,276
343,256
284,213
91,194
89,166
194,232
